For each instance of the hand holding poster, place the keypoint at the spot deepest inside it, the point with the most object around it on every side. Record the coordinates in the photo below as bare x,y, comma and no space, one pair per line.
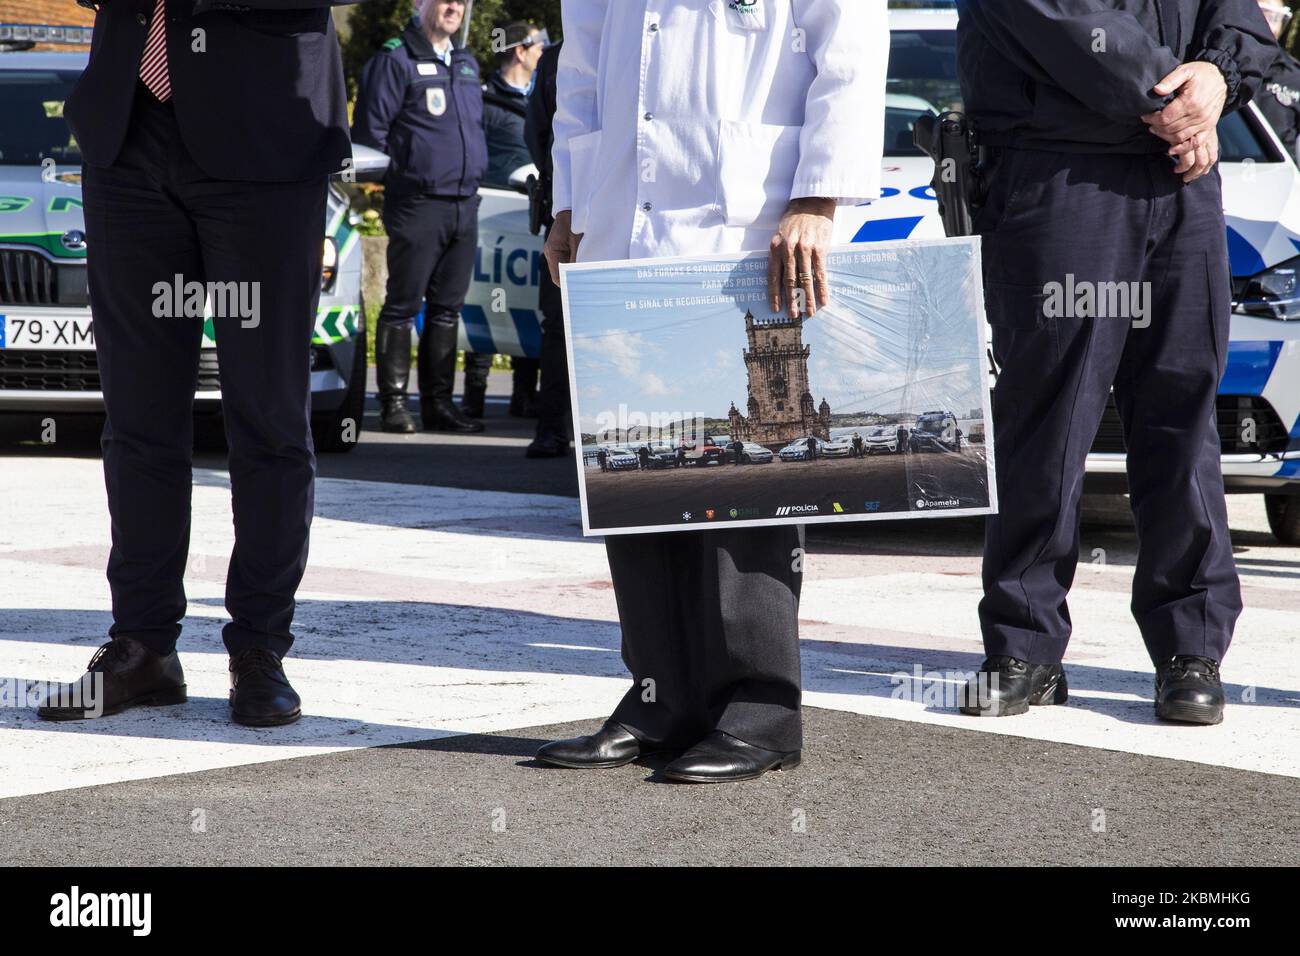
697,407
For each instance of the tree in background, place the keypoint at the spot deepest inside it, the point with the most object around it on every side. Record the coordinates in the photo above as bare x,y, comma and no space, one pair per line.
372,23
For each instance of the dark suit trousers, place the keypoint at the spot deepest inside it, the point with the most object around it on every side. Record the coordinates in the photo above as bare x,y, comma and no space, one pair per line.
710,625
151,216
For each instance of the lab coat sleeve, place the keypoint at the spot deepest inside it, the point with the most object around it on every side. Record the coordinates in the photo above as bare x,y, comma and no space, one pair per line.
842,142
575,90
1059,40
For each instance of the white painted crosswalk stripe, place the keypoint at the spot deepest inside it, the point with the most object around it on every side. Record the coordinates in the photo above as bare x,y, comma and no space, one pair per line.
430,611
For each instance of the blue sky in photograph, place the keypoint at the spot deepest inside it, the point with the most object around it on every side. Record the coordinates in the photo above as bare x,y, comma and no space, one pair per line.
904,332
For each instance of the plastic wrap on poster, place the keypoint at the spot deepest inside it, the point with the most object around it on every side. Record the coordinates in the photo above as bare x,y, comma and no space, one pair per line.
694,406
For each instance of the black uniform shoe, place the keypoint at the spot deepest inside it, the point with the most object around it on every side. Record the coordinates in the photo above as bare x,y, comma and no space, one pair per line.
1188,690
393,371
548,446
394,417
442,415
1007,685
611,746
260,694
130,675
722,758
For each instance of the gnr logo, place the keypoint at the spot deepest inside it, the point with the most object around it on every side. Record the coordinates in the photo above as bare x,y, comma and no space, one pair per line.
103,909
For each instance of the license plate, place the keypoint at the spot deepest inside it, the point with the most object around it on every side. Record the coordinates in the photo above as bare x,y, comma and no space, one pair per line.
54,330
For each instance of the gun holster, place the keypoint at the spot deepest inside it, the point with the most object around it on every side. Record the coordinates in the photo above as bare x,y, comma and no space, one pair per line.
539,205
950,140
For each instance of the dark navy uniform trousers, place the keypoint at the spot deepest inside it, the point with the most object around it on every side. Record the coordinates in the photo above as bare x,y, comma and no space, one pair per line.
1106,219
432,241
153,215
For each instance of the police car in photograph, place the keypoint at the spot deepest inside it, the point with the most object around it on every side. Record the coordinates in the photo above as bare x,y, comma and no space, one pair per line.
420,100
47,338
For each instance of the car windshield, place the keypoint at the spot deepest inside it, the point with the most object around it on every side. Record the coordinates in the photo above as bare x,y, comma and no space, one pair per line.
31,102
923,79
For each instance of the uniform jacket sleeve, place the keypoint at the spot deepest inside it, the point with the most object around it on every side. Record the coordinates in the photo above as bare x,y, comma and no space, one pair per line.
842,142
380,93
575,90
541,107
1236,38
1055,40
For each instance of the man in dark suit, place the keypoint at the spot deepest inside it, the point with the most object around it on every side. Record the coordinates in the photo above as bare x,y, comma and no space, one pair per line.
208,132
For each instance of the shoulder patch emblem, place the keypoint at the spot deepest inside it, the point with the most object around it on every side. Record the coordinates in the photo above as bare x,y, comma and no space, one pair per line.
392,44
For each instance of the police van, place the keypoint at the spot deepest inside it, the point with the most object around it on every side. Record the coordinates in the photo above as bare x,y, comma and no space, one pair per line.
1259,398
47,351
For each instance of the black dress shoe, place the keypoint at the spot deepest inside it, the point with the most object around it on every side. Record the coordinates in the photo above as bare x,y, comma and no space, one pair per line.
722,758
260,694
611,746
1008,685
1188,689
132,676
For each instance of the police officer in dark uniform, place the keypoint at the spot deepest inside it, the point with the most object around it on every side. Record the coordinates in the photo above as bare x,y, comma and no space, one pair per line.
1101,119
505,105
1279,100
553,408
420,101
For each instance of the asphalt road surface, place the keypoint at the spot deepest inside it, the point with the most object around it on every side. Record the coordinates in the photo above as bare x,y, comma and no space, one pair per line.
453,618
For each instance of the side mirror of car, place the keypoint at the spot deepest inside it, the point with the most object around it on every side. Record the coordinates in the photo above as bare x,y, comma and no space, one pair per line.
368,166
519,178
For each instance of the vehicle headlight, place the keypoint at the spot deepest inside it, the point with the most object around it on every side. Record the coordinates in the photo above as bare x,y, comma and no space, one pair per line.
329,264
1272,294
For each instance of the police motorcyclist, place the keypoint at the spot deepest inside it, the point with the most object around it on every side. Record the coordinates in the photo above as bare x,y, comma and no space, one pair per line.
420,101
518,47
1101,117
1279,100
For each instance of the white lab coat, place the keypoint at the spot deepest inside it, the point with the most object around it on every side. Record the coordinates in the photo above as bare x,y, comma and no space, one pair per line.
684,127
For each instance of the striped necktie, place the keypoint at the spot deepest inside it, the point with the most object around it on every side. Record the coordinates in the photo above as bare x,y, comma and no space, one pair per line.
153,65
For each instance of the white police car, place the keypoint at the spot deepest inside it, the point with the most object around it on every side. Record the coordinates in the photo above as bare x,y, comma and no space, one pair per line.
47,354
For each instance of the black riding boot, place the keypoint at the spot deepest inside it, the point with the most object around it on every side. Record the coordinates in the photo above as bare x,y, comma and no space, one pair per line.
477,367
393,369
437,373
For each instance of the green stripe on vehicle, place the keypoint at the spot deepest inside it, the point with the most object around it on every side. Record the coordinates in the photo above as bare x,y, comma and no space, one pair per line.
51,242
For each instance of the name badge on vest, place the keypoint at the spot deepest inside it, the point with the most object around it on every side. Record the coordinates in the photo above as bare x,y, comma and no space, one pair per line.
435,98
747,14
427,69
